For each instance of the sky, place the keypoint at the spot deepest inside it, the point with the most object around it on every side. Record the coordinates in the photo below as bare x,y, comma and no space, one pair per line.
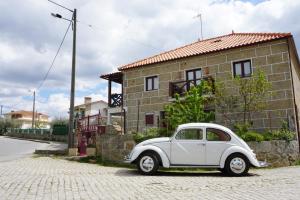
111,33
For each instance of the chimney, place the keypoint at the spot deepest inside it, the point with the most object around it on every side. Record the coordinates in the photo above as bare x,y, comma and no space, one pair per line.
87,100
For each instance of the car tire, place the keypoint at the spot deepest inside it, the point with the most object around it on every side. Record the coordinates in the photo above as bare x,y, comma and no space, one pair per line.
237,165
148,164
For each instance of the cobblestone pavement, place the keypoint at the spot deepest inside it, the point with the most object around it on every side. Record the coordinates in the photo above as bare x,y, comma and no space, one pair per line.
49,178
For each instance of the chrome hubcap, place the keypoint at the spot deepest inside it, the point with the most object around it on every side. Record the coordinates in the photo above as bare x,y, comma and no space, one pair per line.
146,163
237,165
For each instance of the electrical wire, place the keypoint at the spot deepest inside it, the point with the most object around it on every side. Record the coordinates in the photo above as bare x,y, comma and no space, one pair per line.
51,66
52,63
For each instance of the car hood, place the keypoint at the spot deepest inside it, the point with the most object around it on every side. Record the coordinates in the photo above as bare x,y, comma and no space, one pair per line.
154,140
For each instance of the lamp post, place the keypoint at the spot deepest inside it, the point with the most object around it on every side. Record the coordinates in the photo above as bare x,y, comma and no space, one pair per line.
72,92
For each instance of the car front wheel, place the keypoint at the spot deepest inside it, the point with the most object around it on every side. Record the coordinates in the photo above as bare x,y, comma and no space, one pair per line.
237,165
148,164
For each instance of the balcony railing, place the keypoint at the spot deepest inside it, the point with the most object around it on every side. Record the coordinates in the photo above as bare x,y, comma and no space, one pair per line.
181,87
116,100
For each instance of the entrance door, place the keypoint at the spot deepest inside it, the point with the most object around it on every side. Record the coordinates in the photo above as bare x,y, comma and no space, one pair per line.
188,147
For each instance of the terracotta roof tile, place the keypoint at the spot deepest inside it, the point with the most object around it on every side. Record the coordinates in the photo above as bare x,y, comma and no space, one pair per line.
207,46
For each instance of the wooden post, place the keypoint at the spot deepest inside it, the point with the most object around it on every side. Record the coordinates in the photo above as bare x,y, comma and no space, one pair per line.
109,93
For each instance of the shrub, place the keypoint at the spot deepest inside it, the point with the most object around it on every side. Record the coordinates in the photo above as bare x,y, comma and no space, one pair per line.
252,136
241,128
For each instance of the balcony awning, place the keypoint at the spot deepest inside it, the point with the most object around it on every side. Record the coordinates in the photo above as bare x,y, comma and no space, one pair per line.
116,77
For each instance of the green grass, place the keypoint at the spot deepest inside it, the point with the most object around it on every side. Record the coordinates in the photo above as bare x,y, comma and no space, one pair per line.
297,162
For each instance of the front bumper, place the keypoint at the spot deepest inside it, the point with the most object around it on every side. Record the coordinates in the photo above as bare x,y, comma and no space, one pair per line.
127,159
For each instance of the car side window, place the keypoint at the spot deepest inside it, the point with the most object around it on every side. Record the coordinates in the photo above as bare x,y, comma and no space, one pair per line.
213,134
190,134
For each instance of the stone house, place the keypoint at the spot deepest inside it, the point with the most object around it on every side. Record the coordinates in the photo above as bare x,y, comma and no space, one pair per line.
149,84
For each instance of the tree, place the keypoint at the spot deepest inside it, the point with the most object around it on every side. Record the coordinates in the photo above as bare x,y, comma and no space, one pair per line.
191,108
248,96
8,123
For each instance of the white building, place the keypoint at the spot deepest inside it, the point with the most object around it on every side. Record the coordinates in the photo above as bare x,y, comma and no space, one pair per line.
24,118
89,108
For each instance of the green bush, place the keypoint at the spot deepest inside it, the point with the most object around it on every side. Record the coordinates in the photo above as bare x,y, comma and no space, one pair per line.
252,136
241,128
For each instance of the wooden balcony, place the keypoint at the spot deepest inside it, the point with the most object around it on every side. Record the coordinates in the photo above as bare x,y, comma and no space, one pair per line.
181,87
115,100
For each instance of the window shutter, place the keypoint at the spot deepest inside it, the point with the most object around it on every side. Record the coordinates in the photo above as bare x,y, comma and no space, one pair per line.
149,119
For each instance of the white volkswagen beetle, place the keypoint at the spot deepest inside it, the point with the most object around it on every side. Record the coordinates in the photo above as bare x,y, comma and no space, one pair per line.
201,145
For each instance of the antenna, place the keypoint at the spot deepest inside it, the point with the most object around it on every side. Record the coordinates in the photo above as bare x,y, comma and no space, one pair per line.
201,33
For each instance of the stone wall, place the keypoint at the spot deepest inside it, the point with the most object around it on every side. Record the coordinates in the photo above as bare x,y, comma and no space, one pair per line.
47,137
277,153
271,57
114,147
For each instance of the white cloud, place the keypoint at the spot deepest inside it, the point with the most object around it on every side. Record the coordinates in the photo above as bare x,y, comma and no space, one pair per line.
122,31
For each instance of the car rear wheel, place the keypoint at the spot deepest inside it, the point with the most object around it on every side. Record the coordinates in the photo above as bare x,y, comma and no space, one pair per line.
237,165
148,164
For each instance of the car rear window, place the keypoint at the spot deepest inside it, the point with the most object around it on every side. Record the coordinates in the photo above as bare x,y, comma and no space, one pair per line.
213,134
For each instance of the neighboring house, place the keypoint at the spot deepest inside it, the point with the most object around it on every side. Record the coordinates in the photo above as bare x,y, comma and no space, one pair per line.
89,108
24,119
149,84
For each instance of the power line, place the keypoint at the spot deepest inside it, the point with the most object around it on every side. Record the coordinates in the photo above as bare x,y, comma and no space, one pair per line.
46,75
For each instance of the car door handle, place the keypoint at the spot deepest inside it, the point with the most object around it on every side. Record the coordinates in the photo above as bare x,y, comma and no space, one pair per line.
202,144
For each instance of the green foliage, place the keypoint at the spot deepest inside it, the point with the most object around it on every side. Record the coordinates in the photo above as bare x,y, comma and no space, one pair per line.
59,121
297,162
282,134
249,95
151,133
252,136
241,129
8,123
191,108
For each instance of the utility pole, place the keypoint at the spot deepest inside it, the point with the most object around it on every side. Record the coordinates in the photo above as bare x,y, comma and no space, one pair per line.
72,95
33,110
1,110
72,92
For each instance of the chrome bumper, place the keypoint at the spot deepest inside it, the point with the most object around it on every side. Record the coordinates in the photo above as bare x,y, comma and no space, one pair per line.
127,159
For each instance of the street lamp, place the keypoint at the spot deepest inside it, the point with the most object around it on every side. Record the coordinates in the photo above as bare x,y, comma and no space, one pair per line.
72,93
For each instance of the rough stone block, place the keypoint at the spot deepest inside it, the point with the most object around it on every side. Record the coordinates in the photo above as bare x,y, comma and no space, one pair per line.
281,85
165,77
276,77
276,58
259,61
280,68
212,60
177,75
279,48
263,51
226,67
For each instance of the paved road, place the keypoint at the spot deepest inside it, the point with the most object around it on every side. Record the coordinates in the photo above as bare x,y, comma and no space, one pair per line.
11,149
49,178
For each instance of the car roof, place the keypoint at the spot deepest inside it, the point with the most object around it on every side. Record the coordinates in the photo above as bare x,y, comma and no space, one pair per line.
209,125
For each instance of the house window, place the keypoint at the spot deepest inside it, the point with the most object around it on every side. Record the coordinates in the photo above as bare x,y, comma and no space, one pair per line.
193,77
151,83
149,119
242,68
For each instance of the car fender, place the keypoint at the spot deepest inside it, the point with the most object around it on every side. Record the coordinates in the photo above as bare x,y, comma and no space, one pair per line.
238,149
139,150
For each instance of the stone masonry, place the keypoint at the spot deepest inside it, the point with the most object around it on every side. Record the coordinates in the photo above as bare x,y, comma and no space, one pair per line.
271,57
